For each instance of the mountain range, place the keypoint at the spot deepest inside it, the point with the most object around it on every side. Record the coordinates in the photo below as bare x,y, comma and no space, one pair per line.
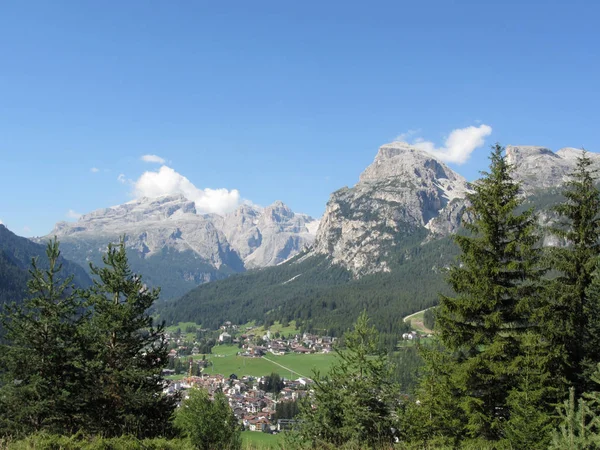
381,245
177,248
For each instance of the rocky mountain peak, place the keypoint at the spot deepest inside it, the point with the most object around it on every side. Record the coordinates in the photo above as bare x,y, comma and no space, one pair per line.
539,167
170,227
403,190
399,160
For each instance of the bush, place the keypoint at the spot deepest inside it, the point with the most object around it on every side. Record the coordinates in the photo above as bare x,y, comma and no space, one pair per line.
43,441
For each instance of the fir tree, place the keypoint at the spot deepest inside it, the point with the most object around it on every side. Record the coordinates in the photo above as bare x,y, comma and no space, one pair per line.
127,353
41,365
496,284
569,317
433,417
356,401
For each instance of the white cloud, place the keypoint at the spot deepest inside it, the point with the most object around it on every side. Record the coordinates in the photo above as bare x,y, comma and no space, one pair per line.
153,159
26,229
73,214
402,137
458,145
167,182
121,178
1,223
94,170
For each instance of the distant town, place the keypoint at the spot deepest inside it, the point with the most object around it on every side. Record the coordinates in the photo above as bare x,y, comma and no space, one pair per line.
265,403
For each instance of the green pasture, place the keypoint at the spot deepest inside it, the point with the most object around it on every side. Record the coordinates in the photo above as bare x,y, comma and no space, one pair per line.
225,362
254,440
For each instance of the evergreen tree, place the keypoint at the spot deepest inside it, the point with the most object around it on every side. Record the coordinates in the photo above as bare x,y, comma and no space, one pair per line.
433,417
127,353
210,424
496,284
356,401
570,316
530,421
41,366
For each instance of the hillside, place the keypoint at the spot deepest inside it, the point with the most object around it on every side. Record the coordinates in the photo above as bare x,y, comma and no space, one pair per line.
16,254
321,295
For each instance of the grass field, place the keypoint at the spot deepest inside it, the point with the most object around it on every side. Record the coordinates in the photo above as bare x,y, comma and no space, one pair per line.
416,322
275,328
288,366
254,440
225,362
183,326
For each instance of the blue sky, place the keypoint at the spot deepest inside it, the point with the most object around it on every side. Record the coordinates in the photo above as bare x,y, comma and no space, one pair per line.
278,100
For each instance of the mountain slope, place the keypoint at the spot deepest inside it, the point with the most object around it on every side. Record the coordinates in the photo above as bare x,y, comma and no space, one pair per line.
177,249
321,295
402,191
16,254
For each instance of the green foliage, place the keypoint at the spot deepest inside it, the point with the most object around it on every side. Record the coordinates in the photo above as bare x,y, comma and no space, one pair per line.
429,318
84,360
407,364
497,283
530,400
323,297
175,272
41,367
129,353
569,317
356,401
287,410
272,383
43,441
433,416
209,424
579,426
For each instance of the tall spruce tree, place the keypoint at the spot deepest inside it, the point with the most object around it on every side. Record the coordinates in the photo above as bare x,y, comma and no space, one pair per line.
127,354
570,316
356,401
496,283
41,364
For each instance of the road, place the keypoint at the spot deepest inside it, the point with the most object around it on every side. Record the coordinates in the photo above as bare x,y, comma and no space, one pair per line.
286,368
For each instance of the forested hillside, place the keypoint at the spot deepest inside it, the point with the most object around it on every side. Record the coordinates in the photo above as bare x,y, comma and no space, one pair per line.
322,296
15,261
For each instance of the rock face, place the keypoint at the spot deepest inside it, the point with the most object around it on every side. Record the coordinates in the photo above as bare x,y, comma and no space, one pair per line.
157,230
406,194
269,236
400,194
538,167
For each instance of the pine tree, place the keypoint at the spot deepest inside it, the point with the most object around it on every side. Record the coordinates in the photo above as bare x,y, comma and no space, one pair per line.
41,365
496,284
433,417
570,318
127,353
356,401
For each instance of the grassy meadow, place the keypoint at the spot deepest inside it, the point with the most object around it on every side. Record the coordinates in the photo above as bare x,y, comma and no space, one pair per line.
225,361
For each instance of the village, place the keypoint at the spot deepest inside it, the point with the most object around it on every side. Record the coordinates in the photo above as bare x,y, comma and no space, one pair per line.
260,403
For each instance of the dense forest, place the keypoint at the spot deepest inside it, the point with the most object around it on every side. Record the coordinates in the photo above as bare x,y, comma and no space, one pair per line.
323,297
